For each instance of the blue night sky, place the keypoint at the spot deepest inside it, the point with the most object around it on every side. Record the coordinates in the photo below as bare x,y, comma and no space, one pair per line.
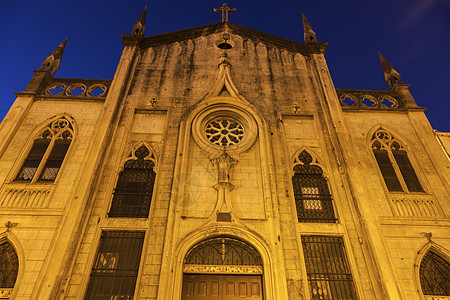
414,36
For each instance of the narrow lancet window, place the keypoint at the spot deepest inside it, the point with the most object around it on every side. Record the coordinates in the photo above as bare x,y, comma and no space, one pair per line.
312,196
435,275
134,188
47,153
34,158
9,265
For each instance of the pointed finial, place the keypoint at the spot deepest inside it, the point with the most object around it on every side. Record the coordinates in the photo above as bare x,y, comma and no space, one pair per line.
308,32
139,26
391,76
52,62
10,225
427,235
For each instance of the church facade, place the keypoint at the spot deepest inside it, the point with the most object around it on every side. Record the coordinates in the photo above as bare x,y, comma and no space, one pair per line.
221,162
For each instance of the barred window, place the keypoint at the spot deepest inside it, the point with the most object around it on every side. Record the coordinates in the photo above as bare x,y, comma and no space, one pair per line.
9,265
312,196
329,275
435,275
134,188
394,164
47,153
116,266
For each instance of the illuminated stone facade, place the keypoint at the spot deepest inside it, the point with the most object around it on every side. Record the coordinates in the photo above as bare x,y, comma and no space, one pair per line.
227,118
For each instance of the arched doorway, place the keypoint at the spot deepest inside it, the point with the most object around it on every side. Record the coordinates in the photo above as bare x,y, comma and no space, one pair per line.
222,268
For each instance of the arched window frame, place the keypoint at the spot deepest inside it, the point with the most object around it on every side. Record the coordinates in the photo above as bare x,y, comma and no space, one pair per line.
223,256
9,237
151,157
326,214
437,249
61,127
383,140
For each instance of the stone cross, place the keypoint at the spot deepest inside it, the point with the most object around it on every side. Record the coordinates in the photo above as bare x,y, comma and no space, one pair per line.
225,9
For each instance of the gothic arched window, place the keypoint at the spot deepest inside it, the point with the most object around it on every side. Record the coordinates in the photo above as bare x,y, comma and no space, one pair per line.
9,265
134,188
312,196
47,153
394,164
223,251
435,275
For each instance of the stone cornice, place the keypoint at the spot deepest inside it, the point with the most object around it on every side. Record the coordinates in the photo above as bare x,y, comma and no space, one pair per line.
245,32
131,40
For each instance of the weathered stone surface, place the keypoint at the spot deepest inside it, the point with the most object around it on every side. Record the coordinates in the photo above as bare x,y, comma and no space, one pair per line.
283,94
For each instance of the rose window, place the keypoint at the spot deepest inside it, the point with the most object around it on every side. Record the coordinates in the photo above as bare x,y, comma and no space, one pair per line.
224,132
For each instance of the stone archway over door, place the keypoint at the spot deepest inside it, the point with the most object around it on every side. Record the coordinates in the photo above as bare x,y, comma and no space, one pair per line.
222,268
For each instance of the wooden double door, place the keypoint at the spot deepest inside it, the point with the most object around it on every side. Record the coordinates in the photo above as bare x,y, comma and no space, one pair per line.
221,287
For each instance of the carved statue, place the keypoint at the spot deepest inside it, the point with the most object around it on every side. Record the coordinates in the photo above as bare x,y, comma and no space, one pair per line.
224,164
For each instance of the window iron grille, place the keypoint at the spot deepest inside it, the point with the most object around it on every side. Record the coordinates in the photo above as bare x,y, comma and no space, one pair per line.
116,266
434,275
134,188
327,268
223,251
312,196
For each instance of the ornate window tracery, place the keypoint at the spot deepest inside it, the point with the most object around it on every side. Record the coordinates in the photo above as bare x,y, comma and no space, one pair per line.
312,196
224,131
223,255
224,126
434,275
47,153
116,266
9,265
134,189
327,268
394,164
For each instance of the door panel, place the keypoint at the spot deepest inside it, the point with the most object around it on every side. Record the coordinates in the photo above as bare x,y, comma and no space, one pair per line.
242,287
221,287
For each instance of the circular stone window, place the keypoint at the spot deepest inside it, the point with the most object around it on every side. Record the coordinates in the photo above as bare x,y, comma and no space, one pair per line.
224,127
224,131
